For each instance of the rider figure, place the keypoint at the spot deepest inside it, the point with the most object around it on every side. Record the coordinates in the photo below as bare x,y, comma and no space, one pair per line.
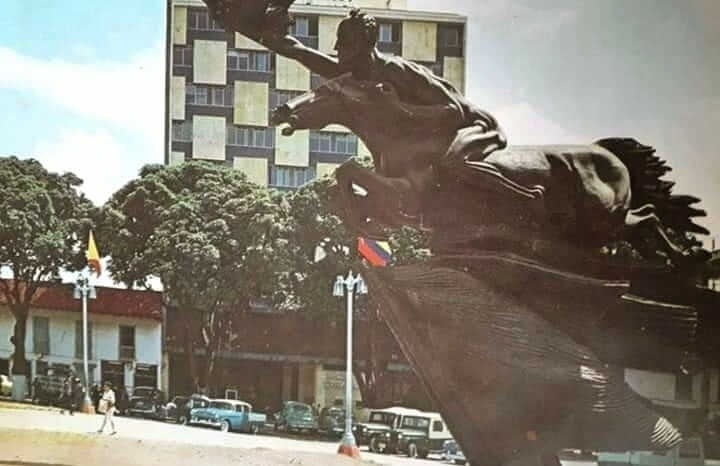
478,132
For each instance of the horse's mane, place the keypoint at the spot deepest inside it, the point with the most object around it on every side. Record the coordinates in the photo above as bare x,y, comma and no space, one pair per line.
646,173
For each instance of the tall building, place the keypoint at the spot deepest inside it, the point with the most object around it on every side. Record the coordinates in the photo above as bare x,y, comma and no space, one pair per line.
222,86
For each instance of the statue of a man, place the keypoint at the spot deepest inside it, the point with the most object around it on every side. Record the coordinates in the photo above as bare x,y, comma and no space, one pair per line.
478,132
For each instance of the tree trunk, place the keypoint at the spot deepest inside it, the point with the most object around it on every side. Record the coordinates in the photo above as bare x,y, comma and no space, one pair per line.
371,377
190,355
20,365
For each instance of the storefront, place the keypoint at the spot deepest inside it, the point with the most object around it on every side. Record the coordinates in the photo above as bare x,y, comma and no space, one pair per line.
113,372
146,375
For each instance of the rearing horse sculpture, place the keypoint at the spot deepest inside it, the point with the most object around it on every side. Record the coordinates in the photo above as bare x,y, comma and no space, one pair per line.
522,359
588,195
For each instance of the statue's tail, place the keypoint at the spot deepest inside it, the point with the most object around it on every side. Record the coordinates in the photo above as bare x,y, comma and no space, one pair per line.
646,172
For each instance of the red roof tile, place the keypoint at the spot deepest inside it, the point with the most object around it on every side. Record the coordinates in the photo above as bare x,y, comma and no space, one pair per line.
110,301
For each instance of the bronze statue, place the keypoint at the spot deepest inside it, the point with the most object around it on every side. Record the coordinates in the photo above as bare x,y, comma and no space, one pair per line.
517,327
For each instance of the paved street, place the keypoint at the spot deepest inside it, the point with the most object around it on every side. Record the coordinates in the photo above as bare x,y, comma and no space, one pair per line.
152,431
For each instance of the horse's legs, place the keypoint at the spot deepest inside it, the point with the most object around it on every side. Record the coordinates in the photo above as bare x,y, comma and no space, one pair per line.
386,199
464,162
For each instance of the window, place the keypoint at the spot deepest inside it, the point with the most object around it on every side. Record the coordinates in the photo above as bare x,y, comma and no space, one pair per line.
683,387
247,60
437,426
389,33
183,56
291,177
182,131
333,143
79,339
278,97
450,36
209,95
244,136
304,26
41,335
127,342
199,20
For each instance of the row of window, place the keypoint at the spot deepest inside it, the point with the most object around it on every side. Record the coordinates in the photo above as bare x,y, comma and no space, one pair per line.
307,27
196,94
291,177
41,339
264,138
237,60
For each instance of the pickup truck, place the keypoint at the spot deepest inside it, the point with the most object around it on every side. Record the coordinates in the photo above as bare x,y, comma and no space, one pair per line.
688,453
229,416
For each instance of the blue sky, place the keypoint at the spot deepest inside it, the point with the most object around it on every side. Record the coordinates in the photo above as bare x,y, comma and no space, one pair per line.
82,82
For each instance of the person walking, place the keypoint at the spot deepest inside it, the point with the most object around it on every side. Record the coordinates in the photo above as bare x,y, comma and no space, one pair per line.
107,403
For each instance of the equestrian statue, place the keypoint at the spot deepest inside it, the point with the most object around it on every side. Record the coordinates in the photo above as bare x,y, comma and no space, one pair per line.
519,328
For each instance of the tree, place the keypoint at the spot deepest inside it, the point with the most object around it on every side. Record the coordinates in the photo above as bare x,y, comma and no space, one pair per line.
44,221
313,225
215,240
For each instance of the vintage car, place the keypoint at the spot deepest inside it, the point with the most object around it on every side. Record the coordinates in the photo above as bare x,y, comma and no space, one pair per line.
690,452
452,452
332,421
173,408
146,402
5,385
296,416
419,435
376,431
229,416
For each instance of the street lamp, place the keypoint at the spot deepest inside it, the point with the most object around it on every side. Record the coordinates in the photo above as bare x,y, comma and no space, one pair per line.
348,286
83,290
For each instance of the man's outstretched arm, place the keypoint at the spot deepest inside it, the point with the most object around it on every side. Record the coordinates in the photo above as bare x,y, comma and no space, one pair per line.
316,61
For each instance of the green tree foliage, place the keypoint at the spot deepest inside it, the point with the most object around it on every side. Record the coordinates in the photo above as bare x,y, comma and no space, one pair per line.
44,221
313,224
215,240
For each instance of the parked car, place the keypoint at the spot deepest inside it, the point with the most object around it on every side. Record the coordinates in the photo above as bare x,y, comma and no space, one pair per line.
332,421
296,416
690,452
376,431
180,411
146,402
452,452
5,385
172,409
419,435
229,416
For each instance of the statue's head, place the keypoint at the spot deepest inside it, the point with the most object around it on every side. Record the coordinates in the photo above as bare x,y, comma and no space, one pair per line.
356,38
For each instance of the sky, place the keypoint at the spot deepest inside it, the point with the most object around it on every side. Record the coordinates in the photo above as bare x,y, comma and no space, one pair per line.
82,82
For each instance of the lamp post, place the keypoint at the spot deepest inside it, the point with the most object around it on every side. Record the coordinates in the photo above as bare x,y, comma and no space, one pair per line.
83,290
348,286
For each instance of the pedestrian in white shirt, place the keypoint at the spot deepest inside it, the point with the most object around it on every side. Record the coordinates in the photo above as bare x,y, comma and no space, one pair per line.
108,403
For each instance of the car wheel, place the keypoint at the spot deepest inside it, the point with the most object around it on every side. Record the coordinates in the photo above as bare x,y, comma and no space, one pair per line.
377,445
422,454
460,461
412,450
225,426
254,429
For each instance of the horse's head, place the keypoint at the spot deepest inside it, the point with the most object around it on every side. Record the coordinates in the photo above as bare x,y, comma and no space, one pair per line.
343,100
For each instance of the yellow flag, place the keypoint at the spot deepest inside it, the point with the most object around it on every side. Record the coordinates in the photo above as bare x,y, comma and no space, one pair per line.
93,256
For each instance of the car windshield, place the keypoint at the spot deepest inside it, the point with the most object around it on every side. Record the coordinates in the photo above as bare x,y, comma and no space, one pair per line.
300,409
417,423
382,418
143,391
221,405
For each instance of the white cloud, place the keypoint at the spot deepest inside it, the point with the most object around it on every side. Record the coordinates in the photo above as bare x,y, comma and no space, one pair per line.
128,94
96,156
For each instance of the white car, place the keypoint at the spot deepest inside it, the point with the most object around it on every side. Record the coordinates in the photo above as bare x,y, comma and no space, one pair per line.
5,385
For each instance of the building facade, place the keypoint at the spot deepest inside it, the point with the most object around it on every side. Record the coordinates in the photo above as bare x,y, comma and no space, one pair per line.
222,87
124,335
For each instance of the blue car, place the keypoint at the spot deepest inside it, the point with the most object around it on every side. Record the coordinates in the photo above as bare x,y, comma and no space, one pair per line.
228,416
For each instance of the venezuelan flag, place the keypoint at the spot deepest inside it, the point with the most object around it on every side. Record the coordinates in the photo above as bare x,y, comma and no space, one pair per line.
377,253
